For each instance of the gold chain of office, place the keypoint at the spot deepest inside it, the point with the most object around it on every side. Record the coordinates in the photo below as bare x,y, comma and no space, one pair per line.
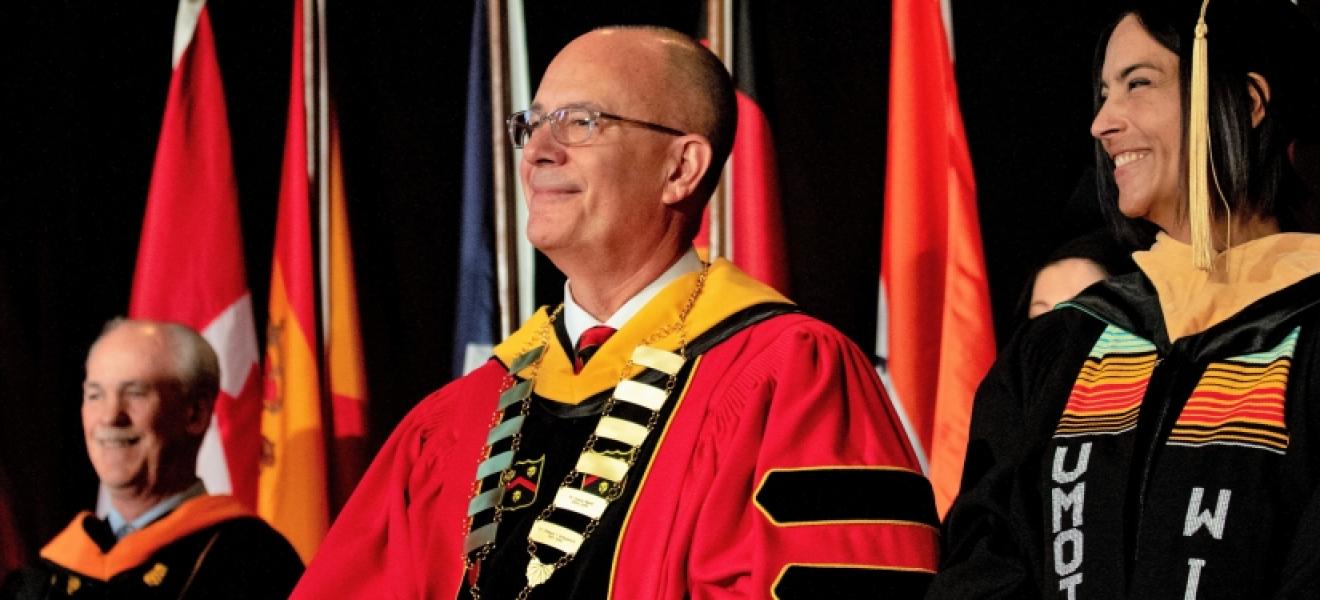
479,543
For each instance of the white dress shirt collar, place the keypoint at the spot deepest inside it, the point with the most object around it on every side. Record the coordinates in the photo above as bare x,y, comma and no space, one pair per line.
122,527
578,320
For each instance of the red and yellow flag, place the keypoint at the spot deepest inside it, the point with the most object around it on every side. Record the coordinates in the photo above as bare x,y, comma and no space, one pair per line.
292,493
343,343
935,333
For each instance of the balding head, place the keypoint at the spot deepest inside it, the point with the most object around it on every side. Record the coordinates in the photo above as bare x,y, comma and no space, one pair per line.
698,92
195,366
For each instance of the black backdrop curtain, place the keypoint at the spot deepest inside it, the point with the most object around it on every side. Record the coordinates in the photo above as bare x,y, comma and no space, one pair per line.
85,84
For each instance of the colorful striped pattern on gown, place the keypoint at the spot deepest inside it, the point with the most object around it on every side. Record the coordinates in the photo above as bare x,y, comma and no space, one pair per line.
1239,402
1106,398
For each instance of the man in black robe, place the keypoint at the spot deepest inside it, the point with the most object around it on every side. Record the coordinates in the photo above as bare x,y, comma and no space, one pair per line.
147,402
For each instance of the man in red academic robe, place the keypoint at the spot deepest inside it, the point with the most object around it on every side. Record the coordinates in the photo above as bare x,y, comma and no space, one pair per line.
674,429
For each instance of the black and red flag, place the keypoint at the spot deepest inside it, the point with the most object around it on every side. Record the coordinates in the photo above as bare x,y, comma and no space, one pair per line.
753,227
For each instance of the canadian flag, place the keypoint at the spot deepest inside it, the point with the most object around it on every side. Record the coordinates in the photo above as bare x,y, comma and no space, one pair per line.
190,260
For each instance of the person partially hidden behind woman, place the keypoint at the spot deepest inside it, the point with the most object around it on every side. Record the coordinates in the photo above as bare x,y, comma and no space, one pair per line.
1156,436
1071,268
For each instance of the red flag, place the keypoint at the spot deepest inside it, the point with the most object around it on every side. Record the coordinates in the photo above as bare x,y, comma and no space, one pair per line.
190,260
755,227
934,323
292,491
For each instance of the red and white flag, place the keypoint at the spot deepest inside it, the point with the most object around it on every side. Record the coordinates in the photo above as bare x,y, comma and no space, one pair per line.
190,260
935,337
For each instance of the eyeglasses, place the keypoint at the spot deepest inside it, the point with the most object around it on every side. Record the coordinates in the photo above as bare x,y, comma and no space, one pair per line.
570,126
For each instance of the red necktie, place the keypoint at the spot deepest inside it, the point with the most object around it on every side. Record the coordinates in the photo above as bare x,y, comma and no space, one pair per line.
588,344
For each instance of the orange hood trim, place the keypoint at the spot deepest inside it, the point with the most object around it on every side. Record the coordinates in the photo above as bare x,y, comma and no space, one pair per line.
74,550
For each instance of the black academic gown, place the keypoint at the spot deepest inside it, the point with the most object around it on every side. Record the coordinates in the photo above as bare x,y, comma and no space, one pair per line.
209,547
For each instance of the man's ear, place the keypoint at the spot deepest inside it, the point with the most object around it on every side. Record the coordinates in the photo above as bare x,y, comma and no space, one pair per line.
1260,97
198,413
691,160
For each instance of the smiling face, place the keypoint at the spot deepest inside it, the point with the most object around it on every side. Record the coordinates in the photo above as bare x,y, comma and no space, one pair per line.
141,435
1140,127
605,197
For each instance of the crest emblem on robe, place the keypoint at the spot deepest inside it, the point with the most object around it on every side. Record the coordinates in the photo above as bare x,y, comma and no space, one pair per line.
520,489
600,486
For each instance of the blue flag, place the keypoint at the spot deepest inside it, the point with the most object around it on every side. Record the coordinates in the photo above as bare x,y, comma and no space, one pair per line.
474,326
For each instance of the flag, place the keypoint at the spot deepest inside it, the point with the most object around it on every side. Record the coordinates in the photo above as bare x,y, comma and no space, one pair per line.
935,337
755,229
757,225
292,491
190,258
475,315
346,371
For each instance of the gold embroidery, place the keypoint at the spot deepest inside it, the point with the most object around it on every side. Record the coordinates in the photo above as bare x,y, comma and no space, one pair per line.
156,575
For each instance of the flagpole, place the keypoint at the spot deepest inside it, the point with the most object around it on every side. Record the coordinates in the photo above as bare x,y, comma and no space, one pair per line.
718,35
946,14
506,269
520,96
318,146
319,142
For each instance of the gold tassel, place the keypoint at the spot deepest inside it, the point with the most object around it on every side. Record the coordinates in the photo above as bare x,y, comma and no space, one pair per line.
1198,150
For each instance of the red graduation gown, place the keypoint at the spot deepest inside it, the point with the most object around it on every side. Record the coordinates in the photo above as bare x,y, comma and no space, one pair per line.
782,469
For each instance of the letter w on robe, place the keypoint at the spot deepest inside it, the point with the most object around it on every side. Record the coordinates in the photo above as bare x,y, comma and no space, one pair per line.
1196,517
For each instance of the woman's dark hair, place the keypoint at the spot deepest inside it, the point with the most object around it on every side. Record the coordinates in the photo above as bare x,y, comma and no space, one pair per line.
1251,166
